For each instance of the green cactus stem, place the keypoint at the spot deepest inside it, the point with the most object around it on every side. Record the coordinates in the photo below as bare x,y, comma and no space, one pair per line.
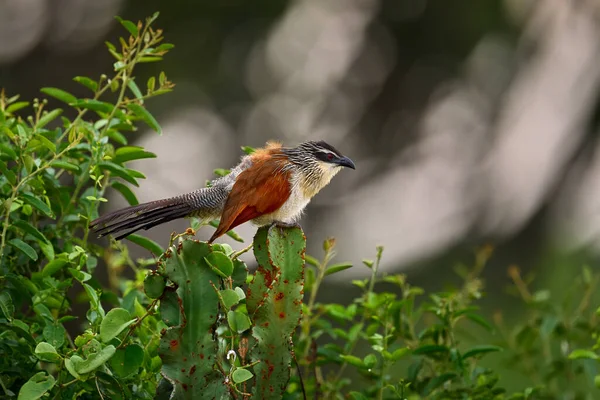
274,301
188,347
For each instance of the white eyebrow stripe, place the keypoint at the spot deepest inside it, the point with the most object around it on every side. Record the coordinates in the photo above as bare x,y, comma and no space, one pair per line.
322,150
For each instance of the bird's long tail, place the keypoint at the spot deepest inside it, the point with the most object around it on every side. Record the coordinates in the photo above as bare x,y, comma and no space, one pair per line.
206,203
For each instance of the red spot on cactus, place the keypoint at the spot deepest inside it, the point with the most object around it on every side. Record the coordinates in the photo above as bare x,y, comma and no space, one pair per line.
201,356
192,370
282,315
174,344
279,296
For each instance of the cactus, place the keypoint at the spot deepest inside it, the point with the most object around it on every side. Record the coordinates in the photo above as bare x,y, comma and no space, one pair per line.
274,302
188,346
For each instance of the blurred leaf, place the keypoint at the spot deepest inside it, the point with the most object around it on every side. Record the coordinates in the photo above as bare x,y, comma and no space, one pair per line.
221,263
128,153
115,321
49,117
135,90
230,298
238,321
6,305
127,361
130,26
59,94
37,386
582,353
24,247
10,176
38,204
16,106
87,82
438,381
54,266
145,116
126,192
337,268
241,375
352,360
478,350
248,150
118,170
65,165
54,333
28,228
7,152
430,349
93,361
146,243
46,352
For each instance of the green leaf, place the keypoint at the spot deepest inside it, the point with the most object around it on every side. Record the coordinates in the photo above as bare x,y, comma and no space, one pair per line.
94,105
16,106
135,90
127,361
59,94
10,176
128,153
145,116
87,82
130,26
478,350
54,334
337,268
126,193
48,117
238,321
7,152
352,360
357,396
118,170
438,381
154,285
241,375
430,349
146,243
38,204
37,386
248,150
370,360
65,165
399,353
6,305
478,319
230,298
46,352
582,353
115,321
28,228
81,276
220,263
24,247
93,361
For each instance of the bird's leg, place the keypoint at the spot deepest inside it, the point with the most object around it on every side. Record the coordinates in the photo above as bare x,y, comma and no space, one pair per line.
284,225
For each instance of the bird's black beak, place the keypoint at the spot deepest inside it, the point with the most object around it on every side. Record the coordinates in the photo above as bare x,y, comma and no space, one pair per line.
346,162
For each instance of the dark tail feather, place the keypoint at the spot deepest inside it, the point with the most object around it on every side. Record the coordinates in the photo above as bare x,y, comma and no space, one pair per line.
142,216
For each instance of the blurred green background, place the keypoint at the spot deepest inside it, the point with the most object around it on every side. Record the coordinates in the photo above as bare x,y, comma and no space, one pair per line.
470,122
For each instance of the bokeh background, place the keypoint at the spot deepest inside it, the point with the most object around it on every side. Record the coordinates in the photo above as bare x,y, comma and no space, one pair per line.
470,121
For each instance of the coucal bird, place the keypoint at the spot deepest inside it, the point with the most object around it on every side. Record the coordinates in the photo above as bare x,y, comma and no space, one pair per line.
272,185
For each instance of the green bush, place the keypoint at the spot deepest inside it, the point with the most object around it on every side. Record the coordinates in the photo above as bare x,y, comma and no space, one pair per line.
194,323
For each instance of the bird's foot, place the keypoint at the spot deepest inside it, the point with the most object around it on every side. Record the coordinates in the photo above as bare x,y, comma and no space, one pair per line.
284,225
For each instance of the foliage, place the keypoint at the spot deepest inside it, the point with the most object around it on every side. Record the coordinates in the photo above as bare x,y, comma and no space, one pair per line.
198,324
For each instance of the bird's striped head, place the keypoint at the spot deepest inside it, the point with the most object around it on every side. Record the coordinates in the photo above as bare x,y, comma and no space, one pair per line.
322,153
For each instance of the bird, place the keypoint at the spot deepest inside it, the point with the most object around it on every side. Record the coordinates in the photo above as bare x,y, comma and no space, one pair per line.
270,186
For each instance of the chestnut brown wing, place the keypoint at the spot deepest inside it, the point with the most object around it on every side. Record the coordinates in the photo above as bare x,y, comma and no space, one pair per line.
261,189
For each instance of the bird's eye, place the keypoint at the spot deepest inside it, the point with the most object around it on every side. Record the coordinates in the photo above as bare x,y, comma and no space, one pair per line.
329,156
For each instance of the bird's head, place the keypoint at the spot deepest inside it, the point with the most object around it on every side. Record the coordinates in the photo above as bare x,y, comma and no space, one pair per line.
324,155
